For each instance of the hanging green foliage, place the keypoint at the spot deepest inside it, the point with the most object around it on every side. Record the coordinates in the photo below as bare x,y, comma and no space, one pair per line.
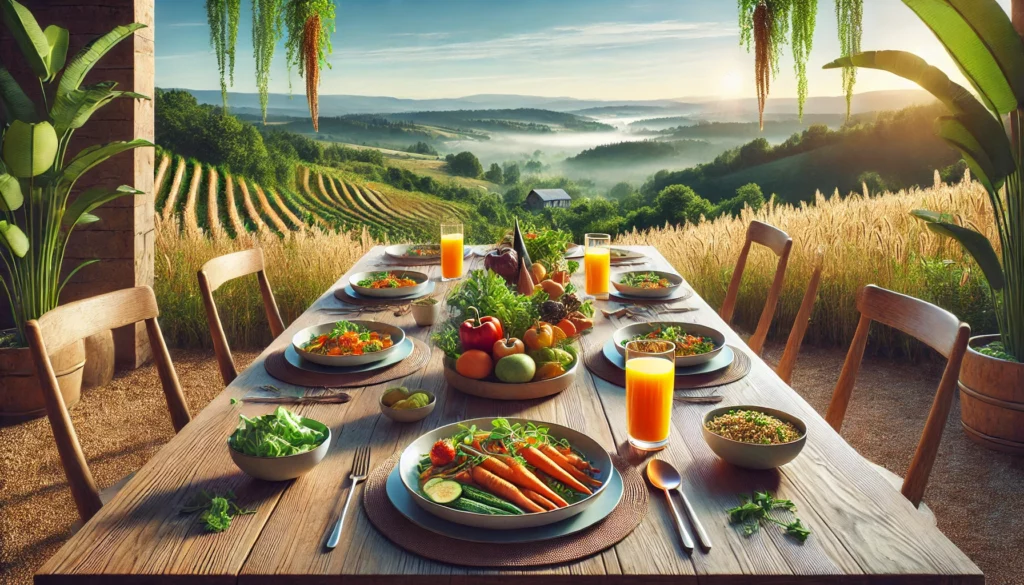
849,15
222,16
266,31
805,14
309,24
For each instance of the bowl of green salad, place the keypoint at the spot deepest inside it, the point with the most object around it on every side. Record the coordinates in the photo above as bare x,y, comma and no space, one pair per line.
278,446
647,284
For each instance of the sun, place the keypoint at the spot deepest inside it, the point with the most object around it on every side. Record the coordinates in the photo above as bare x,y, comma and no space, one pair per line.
731,83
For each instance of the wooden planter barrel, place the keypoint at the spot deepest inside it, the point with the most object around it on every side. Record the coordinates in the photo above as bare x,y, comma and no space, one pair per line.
20,394
992,399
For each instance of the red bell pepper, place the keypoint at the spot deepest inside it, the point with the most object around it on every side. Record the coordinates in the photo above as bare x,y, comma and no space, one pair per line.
480,332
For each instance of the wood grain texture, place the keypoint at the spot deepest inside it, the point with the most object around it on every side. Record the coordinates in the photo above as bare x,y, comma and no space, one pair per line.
863,529
803,319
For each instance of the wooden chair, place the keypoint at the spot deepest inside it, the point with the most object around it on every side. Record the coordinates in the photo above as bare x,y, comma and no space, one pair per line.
803,318
936,328
781,244
215,273
78,320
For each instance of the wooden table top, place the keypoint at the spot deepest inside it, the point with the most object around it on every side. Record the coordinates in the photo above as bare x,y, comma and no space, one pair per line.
863,529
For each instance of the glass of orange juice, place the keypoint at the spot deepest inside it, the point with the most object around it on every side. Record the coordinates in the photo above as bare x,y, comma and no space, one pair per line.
597,264
451,250
650,382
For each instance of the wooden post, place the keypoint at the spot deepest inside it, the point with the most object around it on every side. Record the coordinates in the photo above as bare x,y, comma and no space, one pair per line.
124,239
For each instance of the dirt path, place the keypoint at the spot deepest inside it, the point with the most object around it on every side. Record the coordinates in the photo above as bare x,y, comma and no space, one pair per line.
172,193
250,210
236,222
212,215
161,174
190,221
272,215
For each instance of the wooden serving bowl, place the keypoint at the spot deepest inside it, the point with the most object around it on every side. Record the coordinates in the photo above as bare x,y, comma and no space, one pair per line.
496,390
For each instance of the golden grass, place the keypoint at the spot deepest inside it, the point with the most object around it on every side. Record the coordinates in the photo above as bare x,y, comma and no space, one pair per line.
300,267
867,240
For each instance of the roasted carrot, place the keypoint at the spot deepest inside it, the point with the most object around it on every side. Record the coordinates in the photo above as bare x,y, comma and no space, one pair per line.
497,467
503,489
560,460
544,463
464,477
577,461
544,503
524,478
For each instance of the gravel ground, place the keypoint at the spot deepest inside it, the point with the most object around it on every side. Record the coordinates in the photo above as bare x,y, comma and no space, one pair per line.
123,424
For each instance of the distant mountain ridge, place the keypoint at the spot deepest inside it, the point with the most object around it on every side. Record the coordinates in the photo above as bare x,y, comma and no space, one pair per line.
339,105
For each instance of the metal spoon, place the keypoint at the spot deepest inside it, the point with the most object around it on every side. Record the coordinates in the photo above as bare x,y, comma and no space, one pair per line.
664,476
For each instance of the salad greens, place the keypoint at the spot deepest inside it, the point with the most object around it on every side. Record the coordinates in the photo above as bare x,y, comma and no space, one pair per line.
686,344
217,511
651,280
274,435
489,293
753,512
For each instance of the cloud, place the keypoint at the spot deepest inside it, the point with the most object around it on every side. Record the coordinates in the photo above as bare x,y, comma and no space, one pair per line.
183,24
423,35
560,40
191,55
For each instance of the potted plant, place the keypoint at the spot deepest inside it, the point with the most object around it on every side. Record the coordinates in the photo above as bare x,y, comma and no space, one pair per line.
987,130
38,211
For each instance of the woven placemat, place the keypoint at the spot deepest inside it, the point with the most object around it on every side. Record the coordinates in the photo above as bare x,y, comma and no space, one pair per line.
685,294
279,367
604,535
599,365
343,295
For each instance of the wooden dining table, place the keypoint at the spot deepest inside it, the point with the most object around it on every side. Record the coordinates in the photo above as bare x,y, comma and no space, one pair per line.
862,529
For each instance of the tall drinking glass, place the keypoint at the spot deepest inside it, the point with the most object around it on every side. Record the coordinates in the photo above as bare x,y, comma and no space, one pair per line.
597,264
451,250
650,381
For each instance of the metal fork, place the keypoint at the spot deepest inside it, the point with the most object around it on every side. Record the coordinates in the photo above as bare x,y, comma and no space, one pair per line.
360,469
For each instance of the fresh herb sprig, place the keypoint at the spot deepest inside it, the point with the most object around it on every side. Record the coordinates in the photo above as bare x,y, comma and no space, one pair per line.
217,511
757,510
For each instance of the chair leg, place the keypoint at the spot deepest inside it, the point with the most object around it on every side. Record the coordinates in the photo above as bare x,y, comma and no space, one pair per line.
176,404
844,387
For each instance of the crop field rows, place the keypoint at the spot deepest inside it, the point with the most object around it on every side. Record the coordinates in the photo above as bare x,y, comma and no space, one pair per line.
203,199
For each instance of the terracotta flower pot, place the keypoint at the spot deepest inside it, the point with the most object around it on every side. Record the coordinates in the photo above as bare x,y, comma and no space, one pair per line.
20,394
992,399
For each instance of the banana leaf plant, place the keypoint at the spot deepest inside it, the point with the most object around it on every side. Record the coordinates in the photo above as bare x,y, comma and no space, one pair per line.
37,177
985,126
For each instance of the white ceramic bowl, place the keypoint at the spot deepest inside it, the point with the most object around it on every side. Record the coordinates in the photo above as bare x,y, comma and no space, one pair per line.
629,332
675,281
410,415
753,455
284,468
390,293
421,446
341,361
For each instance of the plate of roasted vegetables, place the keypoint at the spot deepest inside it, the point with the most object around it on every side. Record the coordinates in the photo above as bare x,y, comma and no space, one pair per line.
389,284
347,343
647,284
695,344
505,474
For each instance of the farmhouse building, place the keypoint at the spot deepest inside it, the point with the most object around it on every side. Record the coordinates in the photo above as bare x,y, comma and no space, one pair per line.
541,198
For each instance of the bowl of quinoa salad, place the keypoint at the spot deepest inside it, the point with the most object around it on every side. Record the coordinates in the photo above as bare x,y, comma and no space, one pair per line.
754,437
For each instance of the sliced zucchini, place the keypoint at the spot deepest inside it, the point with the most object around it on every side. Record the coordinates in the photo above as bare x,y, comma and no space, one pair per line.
444,491
489,499
467,505
432,481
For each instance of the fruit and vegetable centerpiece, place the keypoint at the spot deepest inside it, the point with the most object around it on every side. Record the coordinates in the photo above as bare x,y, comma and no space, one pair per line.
516,327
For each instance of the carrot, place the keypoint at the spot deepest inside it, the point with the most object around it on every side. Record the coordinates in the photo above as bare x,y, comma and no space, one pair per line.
464,477
497,467
503,489
565,464
539,499
577,461
524,478
543,463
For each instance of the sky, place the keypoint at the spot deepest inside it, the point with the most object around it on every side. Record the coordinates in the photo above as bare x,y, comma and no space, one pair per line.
588,49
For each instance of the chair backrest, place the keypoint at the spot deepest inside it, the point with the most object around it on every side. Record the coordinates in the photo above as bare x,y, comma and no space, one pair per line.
74,321
936,328
212,276
803,319
781,244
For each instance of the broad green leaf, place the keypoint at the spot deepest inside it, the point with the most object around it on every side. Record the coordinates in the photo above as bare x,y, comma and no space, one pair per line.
72,110
29,149
14,239
85,59
982,42
986,129
27,34
17,104
90,157
57,37
950,129
78,211
11,197
973,242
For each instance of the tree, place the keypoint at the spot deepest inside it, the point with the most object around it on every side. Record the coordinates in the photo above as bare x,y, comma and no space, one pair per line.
464,164
873,182
620,191
511,173
673,201
494,174
697,208
534,166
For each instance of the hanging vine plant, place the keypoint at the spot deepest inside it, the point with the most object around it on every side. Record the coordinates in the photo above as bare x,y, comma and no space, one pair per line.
306,26
767,25
222,16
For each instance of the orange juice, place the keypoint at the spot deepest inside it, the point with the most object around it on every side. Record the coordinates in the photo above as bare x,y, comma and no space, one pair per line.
649,385
451,255
597,266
